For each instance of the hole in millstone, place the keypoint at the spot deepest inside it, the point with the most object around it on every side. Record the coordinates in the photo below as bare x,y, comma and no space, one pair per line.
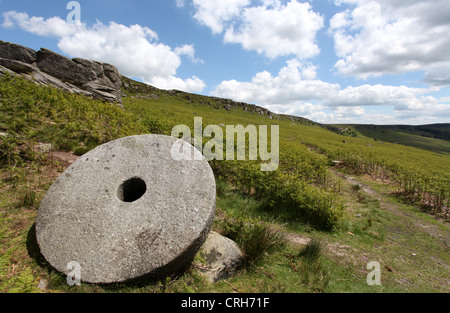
131,190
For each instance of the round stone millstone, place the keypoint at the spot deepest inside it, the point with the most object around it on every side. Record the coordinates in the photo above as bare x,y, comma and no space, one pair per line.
127,209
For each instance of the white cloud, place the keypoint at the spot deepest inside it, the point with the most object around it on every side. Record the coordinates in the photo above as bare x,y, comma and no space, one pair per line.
189,51
180,3
134,49
401,97
438,74
278,31
295,82
172,82
296,90
52,27
377,37
272,29
300,109
350,111
215,14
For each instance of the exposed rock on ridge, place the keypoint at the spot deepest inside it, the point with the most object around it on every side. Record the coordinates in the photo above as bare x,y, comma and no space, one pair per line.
140,90
91,78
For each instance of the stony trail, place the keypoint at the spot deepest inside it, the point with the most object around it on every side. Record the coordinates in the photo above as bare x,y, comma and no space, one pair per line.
414,253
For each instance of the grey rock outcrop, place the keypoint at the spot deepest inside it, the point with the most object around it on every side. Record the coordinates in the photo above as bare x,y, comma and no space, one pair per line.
17,52
128,209
16,66
230,105
97,80
222,257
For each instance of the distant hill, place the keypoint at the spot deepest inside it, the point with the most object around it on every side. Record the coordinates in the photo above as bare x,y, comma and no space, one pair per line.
335,191
433,137
138,90
103,81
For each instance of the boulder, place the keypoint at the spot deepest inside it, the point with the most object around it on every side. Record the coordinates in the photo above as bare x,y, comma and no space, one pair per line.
66,69
97,80
17,52
95,66
17,66
56,65
222,257
112,74
128,209
48,80
5,70
99,90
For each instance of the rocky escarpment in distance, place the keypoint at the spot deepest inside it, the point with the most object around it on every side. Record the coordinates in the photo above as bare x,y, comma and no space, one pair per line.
91,78
140,90
103,81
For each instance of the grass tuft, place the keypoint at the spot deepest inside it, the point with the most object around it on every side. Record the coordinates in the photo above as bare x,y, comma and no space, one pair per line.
312,251
256,239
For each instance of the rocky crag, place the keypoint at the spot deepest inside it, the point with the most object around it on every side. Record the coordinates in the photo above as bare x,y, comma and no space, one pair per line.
104,81
94,79
139,90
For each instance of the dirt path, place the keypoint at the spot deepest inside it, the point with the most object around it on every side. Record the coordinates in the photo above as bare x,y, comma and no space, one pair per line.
426,226
414,248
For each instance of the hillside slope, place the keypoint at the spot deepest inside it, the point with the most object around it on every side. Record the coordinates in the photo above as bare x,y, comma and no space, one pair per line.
414,170
363,200
433,137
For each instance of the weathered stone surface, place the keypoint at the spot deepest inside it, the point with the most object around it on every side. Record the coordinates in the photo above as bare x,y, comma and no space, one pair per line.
101,79
48,80
112,74
16,66
43,147
17,52
56,65
93,65
127,209
5,70
222,256
102,90
91,78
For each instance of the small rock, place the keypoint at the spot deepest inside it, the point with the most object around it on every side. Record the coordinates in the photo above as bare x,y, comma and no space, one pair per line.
43,285
43,147
222,256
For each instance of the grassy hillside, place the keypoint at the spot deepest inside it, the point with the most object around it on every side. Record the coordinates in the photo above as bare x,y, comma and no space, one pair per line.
351,200
435,138
420,176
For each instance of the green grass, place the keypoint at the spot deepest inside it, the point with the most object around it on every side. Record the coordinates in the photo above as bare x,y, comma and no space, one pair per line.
263,212
420,137
311,252
70,122
256,238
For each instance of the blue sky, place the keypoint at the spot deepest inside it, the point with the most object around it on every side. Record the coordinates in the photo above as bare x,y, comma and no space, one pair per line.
333,61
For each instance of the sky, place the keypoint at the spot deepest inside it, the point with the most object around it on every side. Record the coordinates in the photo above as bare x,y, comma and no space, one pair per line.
332,61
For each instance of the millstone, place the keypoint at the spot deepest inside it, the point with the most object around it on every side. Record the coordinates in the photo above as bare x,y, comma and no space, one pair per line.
127,209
